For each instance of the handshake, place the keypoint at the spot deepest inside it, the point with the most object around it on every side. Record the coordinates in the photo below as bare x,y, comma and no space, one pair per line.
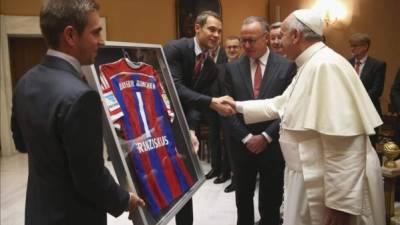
225,105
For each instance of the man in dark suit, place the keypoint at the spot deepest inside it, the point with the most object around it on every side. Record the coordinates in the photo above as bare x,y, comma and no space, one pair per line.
259,74
371,71
56,119
395,102
193,71
219,166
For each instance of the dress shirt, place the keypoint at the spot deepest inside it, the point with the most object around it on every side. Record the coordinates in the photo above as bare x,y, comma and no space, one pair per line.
70,59
253,66
362,63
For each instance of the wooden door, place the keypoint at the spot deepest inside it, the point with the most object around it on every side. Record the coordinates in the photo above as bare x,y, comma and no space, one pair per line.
25,53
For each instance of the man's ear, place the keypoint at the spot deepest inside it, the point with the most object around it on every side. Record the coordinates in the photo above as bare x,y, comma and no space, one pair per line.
296,35
197,28
267,37
70,35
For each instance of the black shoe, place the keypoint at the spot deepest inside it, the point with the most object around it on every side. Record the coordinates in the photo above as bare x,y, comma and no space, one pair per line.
221,179
229,188
211,174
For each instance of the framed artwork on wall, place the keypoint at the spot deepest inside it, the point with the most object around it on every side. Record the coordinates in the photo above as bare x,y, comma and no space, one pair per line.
187,10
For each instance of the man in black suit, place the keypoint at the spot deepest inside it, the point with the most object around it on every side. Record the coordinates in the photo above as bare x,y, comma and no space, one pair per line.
259,74
56,119
194,71
219,165
395,101
371,71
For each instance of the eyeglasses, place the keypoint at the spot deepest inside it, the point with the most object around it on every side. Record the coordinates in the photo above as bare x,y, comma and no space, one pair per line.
251,41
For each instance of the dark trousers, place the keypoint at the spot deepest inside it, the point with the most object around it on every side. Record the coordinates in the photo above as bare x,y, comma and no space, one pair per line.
214,139
270,188
185,215
227,159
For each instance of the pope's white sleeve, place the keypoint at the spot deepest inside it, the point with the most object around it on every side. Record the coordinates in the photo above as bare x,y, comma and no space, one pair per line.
255,111
345,167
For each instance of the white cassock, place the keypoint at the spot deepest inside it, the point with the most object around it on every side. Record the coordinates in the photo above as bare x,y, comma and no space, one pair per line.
326,118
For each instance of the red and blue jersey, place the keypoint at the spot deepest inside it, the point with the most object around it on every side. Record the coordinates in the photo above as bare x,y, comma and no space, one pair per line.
139,106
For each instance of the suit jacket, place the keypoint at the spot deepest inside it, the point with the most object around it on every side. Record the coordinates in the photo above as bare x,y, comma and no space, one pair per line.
218,87
373,78
395,93
277,76
56,119
194,94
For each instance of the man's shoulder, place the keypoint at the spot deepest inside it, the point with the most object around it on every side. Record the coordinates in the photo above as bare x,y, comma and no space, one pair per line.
180,43
238,62
277,58
375,61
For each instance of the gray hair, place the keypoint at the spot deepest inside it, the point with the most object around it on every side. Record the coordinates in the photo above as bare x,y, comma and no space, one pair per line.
257,19
294,24
360,38
56,15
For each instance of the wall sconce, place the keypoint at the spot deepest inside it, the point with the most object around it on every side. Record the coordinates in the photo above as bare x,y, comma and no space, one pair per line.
331,11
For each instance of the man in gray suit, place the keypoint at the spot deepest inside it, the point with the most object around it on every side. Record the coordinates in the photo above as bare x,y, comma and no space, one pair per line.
259,74
56,119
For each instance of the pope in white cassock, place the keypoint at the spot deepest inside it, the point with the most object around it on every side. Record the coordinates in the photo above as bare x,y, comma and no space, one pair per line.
332,174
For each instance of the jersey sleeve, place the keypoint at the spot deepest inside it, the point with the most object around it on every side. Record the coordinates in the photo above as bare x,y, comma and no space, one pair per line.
109,98
164,96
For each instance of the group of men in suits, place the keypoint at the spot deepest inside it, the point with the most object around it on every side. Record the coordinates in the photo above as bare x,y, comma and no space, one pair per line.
259,73
56,116
194,71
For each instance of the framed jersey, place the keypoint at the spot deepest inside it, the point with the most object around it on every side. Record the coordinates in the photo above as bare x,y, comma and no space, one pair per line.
145,130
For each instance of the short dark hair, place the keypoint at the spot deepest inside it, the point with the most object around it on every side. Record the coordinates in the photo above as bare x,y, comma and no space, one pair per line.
360,38
262,21
201,19
55,15
232,37
275,25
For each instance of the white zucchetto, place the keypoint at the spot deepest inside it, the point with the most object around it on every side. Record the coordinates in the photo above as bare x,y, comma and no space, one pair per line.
311,19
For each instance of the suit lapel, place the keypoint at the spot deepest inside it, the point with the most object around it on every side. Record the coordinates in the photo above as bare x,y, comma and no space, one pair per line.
366,69
245,73
269,74
352,61
205,73
190,55
222,56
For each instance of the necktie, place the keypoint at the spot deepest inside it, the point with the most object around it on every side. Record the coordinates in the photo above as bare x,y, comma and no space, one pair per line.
357,66
197,66
257,79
